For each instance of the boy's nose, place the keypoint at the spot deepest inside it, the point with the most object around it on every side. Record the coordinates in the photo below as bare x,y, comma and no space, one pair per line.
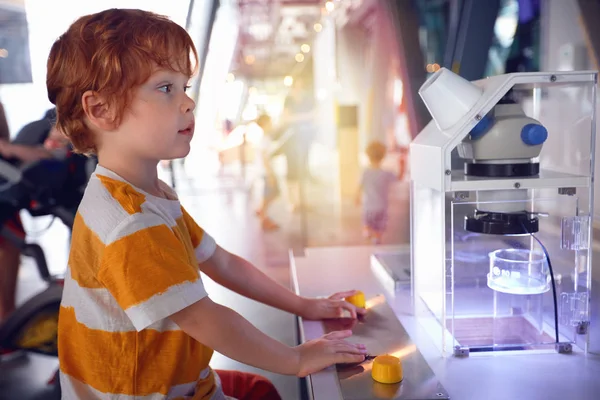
188,105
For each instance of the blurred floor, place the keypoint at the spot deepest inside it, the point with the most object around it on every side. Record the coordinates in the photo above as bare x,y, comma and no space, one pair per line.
224,205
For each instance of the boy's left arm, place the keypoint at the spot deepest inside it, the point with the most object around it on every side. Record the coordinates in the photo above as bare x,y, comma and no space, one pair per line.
239,275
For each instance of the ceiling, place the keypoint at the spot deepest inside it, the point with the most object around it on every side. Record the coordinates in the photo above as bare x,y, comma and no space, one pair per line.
271,35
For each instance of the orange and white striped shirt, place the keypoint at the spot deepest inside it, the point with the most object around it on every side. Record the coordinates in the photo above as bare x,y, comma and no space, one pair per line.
133,263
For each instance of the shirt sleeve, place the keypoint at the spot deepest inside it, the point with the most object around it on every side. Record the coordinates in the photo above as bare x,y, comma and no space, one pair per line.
204,244
148,271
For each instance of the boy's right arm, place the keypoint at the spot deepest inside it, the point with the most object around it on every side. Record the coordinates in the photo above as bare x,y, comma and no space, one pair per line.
147,270
231,334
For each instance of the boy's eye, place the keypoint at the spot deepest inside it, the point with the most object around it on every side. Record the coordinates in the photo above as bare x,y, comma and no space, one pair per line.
186,87
166,88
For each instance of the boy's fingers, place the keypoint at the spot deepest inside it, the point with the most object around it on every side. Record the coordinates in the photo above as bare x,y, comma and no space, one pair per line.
341,295
347,358
347,306
342,346
338,335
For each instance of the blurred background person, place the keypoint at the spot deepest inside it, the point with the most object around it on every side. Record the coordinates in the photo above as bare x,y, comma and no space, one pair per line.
299,131
265,173
373,193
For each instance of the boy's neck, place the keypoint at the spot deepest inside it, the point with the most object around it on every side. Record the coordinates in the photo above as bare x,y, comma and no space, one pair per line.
140,173
375,165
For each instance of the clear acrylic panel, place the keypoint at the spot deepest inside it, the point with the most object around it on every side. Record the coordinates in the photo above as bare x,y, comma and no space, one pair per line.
493,292
427,251
567,112
499,293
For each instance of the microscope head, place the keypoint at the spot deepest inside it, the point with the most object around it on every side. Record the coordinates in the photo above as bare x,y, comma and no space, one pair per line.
504,143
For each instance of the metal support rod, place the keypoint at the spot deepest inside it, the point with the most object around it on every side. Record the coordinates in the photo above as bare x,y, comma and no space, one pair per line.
470,37
412,69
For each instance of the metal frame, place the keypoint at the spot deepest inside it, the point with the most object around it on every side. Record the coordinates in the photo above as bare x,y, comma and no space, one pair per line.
413,74
203,52
470,36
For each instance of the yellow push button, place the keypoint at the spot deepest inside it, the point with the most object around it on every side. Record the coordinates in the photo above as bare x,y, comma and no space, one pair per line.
357,299
387,369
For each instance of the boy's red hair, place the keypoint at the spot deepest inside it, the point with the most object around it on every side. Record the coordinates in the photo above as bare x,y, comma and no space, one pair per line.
111,52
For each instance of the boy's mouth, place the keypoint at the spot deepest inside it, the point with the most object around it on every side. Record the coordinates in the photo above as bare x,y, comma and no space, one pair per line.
188,130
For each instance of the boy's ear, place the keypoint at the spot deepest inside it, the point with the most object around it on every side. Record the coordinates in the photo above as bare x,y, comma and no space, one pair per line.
98,111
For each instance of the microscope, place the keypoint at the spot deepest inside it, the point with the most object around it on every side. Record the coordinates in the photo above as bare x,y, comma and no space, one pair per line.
501,248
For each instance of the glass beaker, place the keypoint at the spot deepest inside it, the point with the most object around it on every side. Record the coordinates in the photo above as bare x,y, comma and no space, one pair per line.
518,271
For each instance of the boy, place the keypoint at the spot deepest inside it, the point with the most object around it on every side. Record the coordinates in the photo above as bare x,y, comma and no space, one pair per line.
265,172
135,320
373,190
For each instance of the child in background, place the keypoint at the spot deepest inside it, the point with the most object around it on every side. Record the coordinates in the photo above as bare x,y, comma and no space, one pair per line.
373,192
265,172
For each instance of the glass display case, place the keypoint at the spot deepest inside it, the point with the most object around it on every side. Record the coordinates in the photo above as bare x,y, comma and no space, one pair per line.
501,256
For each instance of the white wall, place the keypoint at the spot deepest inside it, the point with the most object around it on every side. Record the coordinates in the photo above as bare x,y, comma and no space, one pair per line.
382,51
325,83
560,25
213,89
351,63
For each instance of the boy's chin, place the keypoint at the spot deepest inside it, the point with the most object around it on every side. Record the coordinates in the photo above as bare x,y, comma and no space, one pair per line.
177,153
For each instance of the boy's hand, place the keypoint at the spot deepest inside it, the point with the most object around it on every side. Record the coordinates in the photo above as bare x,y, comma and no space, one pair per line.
330,349
332,307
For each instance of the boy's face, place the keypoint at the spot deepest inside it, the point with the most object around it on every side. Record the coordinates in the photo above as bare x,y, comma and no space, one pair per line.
159,123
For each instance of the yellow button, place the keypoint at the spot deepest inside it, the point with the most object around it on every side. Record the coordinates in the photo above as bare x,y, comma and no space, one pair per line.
387,369
357,299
